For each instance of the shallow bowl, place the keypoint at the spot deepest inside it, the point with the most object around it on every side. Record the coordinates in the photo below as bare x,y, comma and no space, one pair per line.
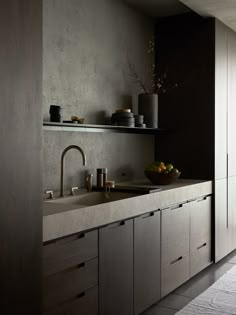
161,178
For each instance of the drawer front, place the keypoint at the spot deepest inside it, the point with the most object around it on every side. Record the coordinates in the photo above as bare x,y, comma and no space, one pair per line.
85,304
69,252
174,233
174,274
200,258
200,222
66,285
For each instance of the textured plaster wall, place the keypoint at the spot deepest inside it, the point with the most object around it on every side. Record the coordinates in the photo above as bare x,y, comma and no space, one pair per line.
86,47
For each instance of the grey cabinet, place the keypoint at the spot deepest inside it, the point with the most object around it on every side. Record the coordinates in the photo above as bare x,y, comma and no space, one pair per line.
85,303
200,234
221,219
185,241
221,72
116,269
146,261
232,212
225,145
231,108
207,131
71,275
174,247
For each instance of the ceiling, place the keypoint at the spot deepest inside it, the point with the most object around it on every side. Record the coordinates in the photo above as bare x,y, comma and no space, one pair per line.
224,10
159,8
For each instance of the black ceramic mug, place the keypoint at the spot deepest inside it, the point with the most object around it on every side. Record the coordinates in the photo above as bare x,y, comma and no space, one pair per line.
55,112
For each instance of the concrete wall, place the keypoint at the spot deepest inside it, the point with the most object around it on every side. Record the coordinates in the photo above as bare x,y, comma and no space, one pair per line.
86,47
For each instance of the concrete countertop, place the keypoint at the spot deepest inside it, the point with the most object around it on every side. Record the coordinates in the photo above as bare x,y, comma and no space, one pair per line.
65,219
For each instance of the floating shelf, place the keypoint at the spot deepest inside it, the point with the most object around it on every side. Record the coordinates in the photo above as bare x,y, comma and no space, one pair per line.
53,126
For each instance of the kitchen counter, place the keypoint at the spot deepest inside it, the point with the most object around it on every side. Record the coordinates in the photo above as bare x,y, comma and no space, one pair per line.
61,219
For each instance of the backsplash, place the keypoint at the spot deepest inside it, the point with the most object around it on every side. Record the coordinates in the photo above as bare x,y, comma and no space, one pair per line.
86,47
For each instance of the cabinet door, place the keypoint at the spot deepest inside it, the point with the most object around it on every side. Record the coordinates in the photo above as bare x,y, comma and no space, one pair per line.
146,261
200,222
174,233
231,103
174,247
221,100
200,234
116,269
221,219
232,212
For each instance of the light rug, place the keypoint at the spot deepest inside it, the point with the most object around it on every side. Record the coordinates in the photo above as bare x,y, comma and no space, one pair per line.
218,299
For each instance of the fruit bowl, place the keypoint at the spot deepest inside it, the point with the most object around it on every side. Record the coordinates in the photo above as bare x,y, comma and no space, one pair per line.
161,178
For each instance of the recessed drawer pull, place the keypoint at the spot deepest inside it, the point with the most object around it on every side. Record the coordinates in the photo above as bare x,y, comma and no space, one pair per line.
203,245
202,199
81,265
176,260
151,214
82,235
114,226
176,207
81,295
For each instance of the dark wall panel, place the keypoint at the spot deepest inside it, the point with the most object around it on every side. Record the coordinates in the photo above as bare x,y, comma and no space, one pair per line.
20,156
186,52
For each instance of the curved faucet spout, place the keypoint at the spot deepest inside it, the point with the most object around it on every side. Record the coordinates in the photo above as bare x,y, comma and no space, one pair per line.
62,164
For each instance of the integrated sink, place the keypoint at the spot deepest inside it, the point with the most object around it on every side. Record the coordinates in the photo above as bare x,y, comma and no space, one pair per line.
93,198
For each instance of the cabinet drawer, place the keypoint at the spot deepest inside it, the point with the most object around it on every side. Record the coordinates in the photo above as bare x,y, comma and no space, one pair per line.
69,252
85,304
200,222
174,233
174,274
66,285
200,258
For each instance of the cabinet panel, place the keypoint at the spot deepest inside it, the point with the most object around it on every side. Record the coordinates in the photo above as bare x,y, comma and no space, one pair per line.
200,258
232,212
200,222
174,274
231,103
174,233
85,304
146,261
116,269
69,251
67,285
221,73
221,220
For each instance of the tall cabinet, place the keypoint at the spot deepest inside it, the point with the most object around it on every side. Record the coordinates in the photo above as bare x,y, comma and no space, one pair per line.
225,145
199,55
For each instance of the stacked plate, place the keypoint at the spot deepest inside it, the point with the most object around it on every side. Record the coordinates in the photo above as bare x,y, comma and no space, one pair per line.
123,117
139,121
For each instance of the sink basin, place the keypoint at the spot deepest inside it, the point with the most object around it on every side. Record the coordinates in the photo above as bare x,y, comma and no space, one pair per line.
93,198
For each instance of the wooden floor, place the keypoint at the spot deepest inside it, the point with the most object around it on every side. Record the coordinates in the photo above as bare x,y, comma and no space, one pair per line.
191,289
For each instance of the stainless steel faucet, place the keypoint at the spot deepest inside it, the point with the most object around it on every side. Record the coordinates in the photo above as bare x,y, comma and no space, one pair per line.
62,164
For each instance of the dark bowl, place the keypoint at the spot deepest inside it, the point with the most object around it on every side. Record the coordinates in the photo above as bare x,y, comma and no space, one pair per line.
161,178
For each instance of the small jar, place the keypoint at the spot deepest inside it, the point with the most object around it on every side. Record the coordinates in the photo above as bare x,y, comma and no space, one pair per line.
99,177
104,171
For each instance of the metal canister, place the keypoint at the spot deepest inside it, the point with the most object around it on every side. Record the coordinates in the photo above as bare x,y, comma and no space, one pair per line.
100,177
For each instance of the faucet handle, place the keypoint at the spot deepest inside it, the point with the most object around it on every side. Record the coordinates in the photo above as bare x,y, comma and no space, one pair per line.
50,192
73,189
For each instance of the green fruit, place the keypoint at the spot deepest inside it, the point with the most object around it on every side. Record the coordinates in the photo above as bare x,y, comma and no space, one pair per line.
169,167
175,170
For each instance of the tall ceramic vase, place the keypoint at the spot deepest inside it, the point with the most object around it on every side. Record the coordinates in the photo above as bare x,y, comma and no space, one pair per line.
148,106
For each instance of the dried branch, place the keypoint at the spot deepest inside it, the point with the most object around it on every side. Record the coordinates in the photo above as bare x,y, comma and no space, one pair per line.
133,74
